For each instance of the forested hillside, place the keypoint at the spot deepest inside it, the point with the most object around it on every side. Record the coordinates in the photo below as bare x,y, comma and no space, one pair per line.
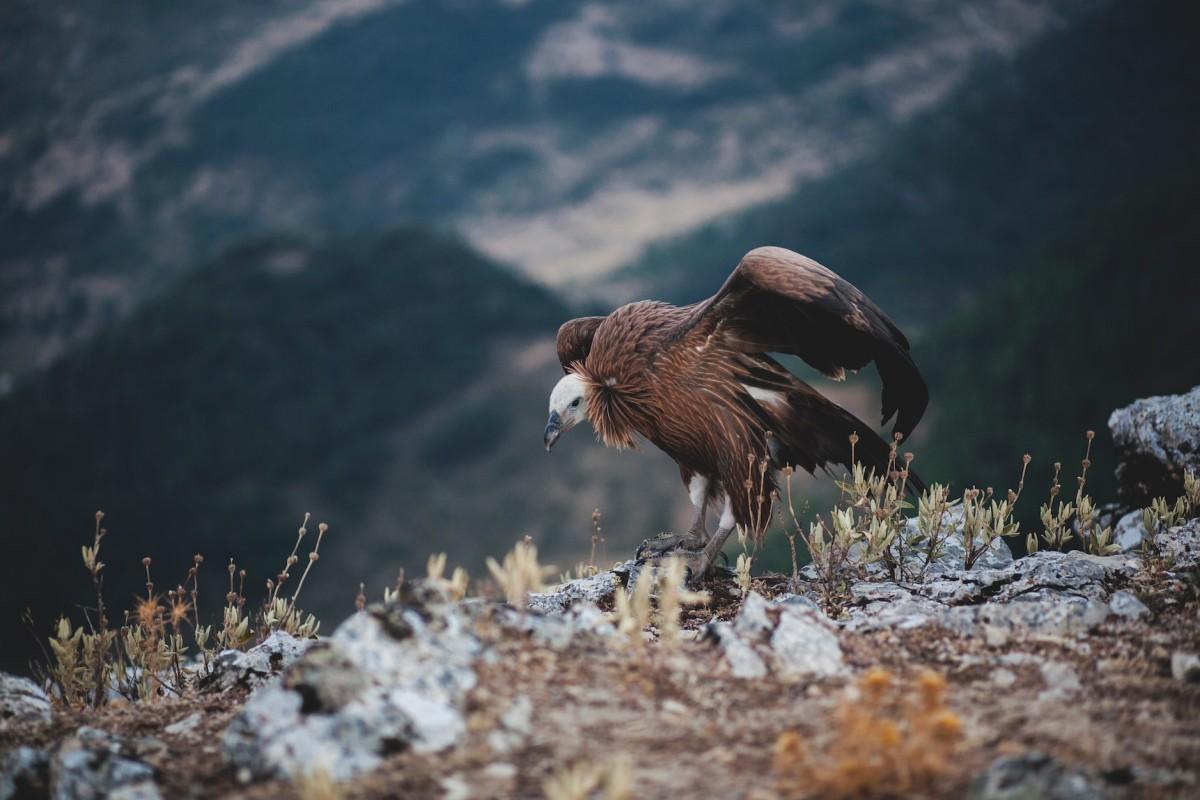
1023,154
263,385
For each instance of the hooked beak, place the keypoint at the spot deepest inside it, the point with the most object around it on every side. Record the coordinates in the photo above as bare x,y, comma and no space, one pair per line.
553,430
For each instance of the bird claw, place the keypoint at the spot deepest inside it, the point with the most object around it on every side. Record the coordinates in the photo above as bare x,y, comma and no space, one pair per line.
667,543
656,550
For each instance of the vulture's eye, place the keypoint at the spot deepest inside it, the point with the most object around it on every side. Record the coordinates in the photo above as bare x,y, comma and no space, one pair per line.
575,402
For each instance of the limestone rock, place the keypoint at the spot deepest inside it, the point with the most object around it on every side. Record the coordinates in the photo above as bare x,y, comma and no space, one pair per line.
556,630
793,636
1181,545
1129,532
1186,667
389,678
952,554
21,701
804,644
1157,440
1034,775
24,772
256,666
1125,604
744,660
1046,593
95,764
596,589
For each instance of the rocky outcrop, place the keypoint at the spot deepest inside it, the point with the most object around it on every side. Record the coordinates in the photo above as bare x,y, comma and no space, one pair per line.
21,701
91,763
1047,593
393,677
388,679
1157,441
252,668
792,636
1035,775
596,589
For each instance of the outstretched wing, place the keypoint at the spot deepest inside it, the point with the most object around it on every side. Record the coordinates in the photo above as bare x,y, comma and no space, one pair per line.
575,340
780,301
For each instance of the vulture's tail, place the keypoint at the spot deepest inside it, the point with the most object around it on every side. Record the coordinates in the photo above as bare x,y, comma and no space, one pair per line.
815,432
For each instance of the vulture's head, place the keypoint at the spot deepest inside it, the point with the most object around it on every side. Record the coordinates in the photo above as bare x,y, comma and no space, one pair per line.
568,407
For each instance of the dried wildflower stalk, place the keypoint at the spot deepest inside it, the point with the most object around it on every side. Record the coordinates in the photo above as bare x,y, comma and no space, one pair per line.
456,585
673,595
520,573
146,657
633,608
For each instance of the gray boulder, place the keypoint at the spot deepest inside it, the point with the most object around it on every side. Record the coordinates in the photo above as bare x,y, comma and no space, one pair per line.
953,553
596,589
254,667
1046,593
1157,440
1125,604
1180,545
1185,667
1034,776
1129,532
94,764
791,638
389,678
21,701
24,772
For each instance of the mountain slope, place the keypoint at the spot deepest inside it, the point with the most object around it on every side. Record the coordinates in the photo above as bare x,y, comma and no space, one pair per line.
560,137
1084,325
274,380
1018,156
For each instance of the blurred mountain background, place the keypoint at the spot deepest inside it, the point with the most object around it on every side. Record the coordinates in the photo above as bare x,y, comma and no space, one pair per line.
263,259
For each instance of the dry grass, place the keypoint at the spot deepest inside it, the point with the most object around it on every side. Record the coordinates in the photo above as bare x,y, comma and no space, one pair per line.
162,648
520,573
887,740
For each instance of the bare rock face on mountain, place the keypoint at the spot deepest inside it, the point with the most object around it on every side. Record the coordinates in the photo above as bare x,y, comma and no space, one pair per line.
1157,441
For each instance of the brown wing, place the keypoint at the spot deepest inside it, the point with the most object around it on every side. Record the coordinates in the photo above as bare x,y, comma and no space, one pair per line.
780,301
575,340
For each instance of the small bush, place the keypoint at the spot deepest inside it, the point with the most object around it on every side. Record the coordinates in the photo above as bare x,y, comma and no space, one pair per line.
886,739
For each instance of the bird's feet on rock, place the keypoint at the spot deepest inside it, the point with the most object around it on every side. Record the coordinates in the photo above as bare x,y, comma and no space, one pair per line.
667,543
688,548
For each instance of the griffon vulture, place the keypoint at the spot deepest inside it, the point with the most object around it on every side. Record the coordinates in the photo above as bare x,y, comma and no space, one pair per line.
698,382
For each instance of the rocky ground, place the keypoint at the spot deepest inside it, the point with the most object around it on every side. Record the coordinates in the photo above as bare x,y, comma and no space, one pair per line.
1055,675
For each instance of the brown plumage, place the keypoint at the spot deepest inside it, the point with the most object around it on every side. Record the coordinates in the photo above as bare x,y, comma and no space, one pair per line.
698,383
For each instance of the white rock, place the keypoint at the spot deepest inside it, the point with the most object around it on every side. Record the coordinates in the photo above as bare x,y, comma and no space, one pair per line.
744,661
388,678
456,788
22,701
1125,604
1157,439
1061,680
184,725
1129,532
24,772
256,666
1186,667
595,589
1003,677
753,620
804,644
89,765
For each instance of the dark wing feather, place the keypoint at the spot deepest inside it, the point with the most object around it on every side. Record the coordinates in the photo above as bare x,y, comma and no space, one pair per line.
575,340
780,301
